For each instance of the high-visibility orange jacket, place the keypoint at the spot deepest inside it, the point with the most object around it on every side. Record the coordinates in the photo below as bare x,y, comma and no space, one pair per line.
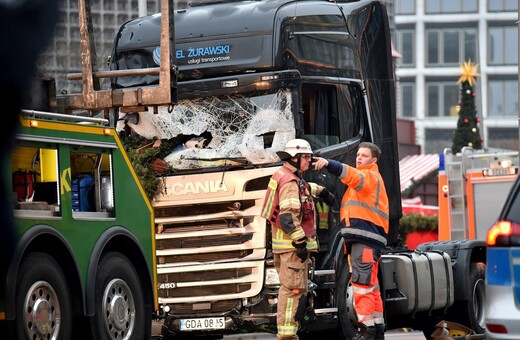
289,207
364,207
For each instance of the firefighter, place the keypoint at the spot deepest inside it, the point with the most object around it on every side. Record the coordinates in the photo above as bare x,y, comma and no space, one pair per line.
364,221
289,207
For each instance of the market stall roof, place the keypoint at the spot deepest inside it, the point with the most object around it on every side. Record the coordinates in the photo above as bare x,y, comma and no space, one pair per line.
414,206
413,168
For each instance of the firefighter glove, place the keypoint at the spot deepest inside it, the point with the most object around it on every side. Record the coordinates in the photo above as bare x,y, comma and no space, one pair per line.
327,197
301,250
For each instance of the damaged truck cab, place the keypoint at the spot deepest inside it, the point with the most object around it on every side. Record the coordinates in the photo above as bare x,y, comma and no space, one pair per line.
252,76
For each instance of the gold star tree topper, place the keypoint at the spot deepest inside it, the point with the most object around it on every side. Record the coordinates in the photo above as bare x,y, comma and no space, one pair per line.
468,71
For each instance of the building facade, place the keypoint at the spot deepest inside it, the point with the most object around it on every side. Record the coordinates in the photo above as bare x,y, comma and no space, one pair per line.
434,37
63,55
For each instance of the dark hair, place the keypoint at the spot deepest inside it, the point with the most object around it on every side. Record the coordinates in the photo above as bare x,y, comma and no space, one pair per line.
374,149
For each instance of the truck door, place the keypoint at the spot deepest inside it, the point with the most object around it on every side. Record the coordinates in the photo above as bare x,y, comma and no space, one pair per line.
333,122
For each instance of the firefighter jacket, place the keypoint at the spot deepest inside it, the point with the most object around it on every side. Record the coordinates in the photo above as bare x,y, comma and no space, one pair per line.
364,207
289,207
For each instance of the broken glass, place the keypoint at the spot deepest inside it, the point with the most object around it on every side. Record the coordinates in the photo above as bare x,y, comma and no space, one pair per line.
220,131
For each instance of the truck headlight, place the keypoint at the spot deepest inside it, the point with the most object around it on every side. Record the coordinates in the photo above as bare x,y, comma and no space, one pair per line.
271,277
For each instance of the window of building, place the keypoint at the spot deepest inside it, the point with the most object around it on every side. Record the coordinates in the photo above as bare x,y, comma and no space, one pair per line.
442,98
503,138
503,45
405,46
502,5
407,98
448,47
503,98
451,6
436,140
405,7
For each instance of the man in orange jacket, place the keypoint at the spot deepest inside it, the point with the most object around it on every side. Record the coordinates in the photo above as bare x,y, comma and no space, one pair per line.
364,219
289,207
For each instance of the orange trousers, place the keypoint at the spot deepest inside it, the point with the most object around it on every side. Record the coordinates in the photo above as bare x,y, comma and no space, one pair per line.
365,285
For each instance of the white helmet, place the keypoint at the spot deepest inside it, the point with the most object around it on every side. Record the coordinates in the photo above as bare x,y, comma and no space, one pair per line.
294,147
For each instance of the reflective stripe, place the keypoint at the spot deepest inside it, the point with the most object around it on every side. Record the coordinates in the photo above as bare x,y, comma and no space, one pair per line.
378,191
361,181
379,318
297,234
288,202
344,171
313,189
375,209
312,245
279,178
283,243
323,214
289,326
361,316
364,233
268,206
368,322
356,289
287,330
288,312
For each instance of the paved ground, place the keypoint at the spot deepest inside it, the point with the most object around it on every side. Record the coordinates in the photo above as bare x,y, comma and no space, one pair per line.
394,334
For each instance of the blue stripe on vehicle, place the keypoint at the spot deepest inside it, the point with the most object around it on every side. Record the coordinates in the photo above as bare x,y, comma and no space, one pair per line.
498,268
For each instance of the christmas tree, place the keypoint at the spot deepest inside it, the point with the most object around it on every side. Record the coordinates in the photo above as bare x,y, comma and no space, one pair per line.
467,133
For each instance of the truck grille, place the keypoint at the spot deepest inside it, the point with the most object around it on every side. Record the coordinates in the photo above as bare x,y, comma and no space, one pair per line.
210,282
191,279
210,247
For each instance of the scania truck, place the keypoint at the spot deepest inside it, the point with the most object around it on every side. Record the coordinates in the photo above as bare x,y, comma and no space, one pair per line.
251,76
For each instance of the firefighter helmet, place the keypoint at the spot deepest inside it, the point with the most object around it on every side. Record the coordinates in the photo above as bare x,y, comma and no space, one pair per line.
294,147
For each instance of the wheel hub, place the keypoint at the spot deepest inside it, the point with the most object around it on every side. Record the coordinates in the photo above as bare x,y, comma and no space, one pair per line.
41,316
42,311
119,309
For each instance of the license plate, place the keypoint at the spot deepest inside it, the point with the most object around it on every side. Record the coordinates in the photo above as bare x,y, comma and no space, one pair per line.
500,171
202,324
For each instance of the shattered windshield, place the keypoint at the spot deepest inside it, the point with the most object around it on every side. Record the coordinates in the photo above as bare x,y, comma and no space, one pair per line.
216,131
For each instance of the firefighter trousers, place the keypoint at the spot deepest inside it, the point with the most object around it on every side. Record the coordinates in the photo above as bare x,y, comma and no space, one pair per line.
293,276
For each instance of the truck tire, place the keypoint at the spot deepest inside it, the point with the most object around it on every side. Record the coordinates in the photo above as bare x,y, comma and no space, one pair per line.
471,312
43,309
119,300
347,319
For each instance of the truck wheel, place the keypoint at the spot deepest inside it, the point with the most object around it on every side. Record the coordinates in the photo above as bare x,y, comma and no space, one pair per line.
475,305
43,309
119,300
471,312
347,319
